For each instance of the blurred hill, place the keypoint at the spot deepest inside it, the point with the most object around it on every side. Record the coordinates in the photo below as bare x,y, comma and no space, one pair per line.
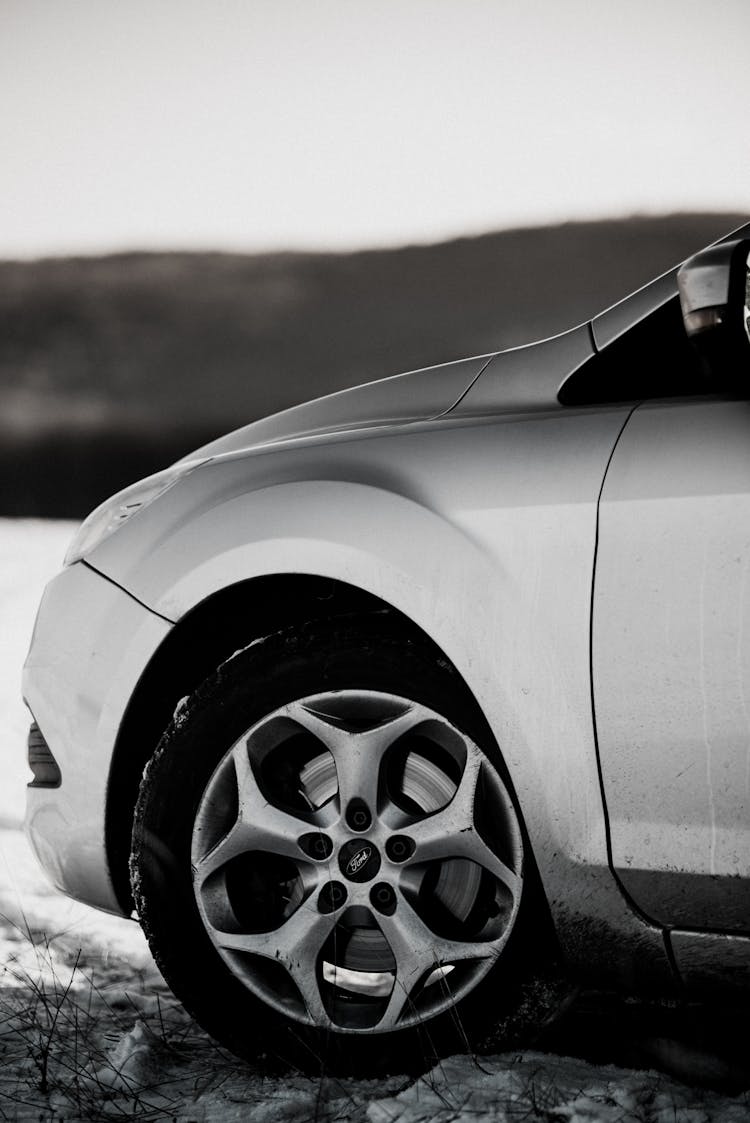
111,367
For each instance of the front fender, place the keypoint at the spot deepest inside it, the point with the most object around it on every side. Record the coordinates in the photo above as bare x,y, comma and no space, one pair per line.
476,537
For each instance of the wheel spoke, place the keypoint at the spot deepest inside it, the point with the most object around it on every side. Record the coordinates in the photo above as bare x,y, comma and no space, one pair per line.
418,950
259,825
460,809
244,838
438,840
358,755
296,944
258,813
233,844
451,833
426,947
323,728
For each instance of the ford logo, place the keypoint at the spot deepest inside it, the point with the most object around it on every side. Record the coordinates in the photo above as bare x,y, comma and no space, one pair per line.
358,860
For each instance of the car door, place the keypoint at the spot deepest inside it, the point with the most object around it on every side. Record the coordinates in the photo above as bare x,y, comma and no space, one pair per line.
671,660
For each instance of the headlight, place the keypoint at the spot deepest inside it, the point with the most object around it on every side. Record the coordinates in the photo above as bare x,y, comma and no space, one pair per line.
113,512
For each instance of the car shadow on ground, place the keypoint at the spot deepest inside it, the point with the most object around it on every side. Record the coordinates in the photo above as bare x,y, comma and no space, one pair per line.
700,1043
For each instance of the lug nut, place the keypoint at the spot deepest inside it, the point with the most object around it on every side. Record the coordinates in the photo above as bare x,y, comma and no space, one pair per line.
358,815
315,845
331,897
383,898
399,848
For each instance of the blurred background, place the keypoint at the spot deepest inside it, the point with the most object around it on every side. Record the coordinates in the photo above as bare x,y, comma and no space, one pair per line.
209,212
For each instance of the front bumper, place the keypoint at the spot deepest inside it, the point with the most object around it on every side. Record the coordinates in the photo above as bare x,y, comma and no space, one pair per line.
90,646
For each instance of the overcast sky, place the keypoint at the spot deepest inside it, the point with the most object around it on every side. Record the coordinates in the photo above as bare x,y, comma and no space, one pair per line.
257,124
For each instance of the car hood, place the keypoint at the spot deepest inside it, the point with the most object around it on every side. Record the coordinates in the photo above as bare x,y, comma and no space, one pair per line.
530,377
416,396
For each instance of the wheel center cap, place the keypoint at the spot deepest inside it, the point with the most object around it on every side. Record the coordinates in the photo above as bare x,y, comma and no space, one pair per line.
359,860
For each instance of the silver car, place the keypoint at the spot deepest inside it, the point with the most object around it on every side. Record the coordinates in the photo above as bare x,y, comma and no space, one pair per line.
374,708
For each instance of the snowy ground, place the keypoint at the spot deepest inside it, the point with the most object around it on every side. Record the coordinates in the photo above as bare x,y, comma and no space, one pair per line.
88,1029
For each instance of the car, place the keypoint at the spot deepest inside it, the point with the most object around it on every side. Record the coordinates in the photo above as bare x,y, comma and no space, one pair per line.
377,709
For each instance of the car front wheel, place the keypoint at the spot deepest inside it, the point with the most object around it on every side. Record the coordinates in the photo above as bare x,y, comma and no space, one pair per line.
327,859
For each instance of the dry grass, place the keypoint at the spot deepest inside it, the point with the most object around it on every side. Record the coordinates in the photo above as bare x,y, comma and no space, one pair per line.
90,1037
92,1041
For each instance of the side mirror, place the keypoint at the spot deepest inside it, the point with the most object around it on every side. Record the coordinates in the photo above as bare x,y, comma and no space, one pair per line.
715,300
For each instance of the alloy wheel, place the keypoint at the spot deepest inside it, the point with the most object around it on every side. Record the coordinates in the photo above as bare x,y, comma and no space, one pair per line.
357,861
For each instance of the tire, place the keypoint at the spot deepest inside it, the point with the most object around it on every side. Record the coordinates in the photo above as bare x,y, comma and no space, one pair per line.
307,905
